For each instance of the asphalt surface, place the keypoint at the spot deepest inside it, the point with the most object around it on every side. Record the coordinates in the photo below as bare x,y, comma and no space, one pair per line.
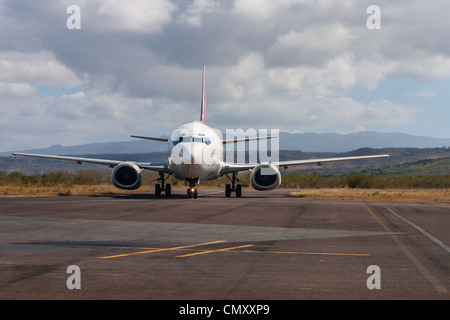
262,246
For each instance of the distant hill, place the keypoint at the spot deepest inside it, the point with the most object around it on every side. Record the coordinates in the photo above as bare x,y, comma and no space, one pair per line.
431,167
333,142
307,142
133,146
406,161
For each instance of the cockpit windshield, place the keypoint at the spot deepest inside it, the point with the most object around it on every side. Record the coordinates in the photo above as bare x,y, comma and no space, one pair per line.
205,140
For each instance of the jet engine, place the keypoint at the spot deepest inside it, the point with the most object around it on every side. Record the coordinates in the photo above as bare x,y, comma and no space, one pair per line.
127,175
265,177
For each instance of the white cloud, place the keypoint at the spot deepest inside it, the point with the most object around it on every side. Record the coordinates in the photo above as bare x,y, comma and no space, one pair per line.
299,97
310,112
313,45
14,89
339,73
38,67
71,119
423,66
246,78
141,16
195,11
263,9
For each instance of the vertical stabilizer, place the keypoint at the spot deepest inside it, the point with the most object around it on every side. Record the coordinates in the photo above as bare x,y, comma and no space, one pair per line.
203,103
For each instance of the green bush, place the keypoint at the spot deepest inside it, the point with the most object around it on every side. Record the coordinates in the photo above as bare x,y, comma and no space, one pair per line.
17,178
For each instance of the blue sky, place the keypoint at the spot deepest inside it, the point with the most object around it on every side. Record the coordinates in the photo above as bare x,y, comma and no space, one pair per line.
135,67
431,100
52,91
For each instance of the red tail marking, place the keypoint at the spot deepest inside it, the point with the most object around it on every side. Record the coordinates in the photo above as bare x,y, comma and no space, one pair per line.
203,103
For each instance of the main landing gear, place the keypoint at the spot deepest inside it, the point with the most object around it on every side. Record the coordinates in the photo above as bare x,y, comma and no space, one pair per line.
167,188
233,187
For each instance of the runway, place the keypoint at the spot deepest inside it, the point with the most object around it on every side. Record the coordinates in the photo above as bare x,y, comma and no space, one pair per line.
262,246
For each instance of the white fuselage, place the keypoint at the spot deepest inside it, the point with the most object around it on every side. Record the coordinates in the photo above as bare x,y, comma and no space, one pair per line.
195,151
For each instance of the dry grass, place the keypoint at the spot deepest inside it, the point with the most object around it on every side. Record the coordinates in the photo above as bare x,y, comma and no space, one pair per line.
48,191
415,195
411,195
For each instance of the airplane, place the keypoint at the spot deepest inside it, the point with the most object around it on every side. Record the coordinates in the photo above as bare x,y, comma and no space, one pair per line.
195,154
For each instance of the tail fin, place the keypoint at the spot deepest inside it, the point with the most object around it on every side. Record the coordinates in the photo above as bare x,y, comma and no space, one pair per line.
203,103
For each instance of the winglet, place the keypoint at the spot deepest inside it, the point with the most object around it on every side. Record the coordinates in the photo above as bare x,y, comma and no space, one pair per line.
203,103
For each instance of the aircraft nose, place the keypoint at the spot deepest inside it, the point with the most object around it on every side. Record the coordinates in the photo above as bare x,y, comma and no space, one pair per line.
187,153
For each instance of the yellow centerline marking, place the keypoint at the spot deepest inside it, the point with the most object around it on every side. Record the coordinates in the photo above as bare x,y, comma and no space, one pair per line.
161,249
211,251
312,253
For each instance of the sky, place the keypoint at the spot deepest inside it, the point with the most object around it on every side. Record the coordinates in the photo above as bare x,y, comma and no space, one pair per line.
119,68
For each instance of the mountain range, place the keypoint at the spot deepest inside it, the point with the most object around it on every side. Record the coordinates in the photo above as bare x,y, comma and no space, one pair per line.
307,142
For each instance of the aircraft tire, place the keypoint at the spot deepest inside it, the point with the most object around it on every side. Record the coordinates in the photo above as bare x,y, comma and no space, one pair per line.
238,191
228,190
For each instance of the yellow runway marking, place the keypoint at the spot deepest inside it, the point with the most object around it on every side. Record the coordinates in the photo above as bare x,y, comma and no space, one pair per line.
200,251
161,249
312,253
211,251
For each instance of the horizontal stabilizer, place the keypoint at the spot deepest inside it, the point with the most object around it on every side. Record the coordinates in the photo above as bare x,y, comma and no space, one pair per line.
151,138
246,139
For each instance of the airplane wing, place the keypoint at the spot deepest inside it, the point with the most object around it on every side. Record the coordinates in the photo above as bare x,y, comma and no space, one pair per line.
155,166
320,161
236,167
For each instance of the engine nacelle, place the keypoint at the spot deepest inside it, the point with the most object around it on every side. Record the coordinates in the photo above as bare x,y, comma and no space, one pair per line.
265,177
127,175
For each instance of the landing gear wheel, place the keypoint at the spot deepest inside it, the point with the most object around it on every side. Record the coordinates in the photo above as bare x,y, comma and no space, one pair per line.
238,191
166,188
233,187
192,192
228,190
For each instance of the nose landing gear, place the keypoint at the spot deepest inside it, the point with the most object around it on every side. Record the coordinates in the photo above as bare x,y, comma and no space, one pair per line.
192,190
192,193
